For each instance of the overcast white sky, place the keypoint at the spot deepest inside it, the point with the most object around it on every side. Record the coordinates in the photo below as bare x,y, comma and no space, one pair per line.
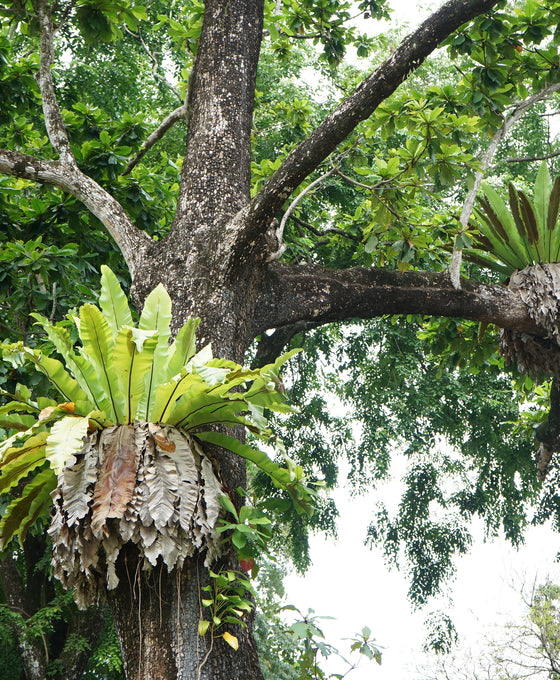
350,582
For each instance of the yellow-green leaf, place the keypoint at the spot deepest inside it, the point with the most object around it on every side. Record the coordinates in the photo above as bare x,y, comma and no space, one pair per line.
97,346
113,302
23,511
231,640
156,315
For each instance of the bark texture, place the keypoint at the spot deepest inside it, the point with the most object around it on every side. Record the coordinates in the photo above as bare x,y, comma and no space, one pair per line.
157,620
26,598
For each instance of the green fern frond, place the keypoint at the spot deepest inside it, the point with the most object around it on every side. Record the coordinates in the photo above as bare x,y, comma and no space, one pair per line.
523,234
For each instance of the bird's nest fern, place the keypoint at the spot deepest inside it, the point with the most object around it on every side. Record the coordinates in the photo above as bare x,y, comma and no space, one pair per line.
520,234
114,459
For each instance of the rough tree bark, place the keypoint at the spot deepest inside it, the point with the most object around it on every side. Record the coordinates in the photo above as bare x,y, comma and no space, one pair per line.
216,264
26,596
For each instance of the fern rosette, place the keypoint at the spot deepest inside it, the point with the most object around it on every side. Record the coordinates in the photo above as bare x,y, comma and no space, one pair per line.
521,240
115,458
523,232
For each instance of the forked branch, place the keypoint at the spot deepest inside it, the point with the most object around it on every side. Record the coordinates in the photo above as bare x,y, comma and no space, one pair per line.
305,158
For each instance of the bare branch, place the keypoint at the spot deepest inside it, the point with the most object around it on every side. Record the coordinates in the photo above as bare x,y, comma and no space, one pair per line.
51,110
518,112
521,159
132,242
358,107
291,208
175,116
293,293
155,63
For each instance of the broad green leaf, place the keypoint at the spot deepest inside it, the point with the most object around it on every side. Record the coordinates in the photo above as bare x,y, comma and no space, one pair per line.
132,360
83,370
38,490
203,626
156,315
541,199
195,404
168,393
18,407
203,356
507,240
227,504
206,409
16,422
486,260
113,301
65,438
18,462
552,220
522,228
23,511
216,371
97,346
57,375
183,348
530,220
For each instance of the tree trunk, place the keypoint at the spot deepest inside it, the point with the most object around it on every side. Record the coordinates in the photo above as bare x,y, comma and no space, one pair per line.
157,617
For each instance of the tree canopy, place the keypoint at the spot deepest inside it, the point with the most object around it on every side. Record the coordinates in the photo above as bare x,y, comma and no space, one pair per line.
296,178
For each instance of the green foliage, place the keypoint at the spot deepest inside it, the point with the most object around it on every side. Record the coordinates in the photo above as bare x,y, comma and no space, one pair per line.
527,233
122,373
226,599
326,23
106,660
301,648
250,532
441,635
431,399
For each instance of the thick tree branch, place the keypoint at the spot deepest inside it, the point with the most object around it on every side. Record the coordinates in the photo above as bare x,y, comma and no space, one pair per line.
51,110
132,242
293,294
358,107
